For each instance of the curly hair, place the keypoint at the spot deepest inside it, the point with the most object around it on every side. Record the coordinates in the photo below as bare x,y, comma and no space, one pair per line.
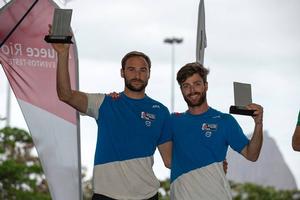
189,70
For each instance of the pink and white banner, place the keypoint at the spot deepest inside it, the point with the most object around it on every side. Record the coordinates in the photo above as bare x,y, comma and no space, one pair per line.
30,66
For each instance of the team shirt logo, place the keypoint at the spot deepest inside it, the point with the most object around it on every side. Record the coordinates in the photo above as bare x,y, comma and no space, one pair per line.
209,128
148,117
148,123
155,106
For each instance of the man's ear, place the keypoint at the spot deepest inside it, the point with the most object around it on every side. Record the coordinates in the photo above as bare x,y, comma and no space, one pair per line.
206,86
122,72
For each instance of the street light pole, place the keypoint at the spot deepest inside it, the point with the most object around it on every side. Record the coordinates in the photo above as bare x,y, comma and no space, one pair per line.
172,41
7,117
8,105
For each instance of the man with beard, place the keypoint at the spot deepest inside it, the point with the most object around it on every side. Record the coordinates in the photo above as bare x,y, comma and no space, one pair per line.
129,130
201,137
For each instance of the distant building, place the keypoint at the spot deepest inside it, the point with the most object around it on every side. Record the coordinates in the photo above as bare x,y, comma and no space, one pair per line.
269,170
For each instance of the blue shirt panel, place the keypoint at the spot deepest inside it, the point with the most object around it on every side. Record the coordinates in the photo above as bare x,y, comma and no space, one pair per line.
129,128
200,140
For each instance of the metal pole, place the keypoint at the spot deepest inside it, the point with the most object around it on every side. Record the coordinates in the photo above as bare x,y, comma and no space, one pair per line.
172,76
8,105
172,41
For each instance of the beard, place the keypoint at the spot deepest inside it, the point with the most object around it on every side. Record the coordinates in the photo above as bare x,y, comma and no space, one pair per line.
200,101
130,86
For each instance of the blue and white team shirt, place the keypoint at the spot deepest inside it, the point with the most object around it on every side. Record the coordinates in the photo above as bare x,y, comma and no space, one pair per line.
129,130
200,144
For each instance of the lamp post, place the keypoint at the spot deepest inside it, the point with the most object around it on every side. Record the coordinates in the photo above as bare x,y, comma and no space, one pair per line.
172,41
2,118
8,105
7,117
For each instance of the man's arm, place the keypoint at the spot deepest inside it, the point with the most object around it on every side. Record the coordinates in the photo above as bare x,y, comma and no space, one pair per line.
76,99
296,139
165,151
252,150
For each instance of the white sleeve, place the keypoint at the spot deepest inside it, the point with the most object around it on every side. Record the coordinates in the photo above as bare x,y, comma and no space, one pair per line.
94,102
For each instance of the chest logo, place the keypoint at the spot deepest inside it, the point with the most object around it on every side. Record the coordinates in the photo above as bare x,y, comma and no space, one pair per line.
147,116
148,123
209,128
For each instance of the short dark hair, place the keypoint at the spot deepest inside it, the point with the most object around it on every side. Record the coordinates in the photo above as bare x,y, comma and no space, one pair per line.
135,53
189,70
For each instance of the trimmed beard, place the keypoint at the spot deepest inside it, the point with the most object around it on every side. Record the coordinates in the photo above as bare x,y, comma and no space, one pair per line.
198,103
133,88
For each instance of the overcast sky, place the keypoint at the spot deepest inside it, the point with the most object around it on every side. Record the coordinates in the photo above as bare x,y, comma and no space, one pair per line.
253,41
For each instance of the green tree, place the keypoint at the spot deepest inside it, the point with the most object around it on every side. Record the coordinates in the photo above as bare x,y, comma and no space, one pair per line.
87,190
164,190
249,191
21,174
245,191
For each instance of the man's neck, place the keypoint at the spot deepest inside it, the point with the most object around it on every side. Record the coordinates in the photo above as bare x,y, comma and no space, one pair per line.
133,94
197,110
